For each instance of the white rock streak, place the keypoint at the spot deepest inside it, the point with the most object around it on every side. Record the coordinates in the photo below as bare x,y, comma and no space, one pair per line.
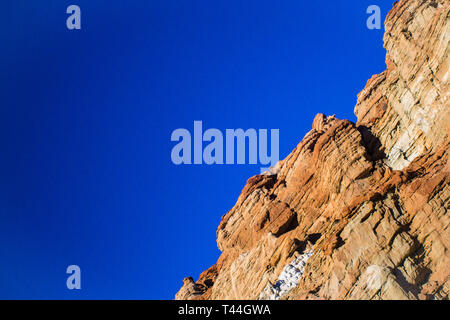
287,280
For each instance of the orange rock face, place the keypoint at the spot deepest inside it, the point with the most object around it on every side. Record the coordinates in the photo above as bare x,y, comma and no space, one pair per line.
356,211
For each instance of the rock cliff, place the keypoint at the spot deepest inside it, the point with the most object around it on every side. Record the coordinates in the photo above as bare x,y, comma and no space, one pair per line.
357,210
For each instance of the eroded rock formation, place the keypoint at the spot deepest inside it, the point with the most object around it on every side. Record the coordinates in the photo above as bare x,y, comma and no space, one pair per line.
356,211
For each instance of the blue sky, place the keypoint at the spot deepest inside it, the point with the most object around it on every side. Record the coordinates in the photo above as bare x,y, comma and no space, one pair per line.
86,118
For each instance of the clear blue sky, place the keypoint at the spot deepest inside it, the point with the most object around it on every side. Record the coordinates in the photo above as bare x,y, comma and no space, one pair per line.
86,118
